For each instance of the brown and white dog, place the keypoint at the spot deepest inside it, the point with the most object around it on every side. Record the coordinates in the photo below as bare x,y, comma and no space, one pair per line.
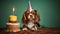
30,19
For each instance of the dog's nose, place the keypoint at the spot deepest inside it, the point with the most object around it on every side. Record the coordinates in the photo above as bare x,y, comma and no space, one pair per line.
30,15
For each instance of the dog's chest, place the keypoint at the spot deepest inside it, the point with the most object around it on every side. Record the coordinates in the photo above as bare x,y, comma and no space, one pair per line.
30,24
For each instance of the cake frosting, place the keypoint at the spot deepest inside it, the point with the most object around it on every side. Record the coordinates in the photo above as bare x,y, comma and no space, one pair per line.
13,23
12,18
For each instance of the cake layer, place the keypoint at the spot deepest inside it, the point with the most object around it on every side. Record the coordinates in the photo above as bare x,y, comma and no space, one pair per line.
13,30
12,23
13,27
12,18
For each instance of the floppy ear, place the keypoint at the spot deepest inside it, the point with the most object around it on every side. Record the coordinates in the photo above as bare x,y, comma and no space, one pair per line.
37,17
24,19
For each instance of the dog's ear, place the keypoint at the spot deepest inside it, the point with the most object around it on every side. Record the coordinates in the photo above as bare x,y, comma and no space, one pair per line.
37,17
24,18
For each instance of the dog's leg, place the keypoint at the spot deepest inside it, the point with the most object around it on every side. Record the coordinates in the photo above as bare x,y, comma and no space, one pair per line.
34,28
25,28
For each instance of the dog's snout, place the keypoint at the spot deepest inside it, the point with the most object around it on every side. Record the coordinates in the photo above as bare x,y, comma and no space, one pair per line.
30,15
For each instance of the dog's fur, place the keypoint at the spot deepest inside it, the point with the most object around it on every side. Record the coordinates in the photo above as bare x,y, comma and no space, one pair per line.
28,17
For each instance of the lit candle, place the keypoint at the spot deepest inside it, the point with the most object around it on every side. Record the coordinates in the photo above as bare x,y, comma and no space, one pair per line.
13,17
13,10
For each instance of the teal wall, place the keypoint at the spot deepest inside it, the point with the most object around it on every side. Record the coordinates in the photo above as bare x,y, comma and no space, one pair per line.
48,9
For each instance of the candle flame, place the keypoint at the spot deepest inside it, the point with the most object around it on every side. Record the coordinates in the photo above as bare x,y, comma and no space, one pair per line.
13,9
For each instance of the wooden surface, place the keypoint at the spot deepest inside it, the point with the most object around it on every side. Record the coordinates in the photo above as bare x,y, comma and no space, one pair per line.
40,31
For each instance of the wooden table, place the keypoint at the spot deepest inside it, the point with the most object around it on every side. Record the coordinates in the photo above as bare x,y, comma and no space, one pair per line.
40,31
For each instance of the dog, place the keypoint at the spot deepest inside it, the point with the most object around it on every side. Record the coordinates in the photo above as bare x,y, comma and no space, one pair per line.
31,20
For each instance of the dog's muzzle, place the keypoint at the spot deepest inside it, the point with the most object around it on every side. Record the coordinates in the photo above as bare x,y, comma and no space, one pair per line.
30,16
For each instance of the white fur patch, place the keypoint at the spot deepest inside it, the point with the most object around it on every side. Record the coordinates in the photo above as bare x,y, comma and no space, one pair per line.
24,29
35,28
30,25
31,9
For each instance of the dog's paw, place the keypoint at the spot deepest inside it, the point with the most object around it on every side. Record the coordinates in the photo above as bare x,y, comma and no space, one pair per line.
25,29
35,28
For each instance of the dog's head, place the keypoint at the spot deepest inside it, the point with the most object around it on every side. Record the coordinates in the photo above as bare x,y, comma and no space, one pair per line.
33,15
30,15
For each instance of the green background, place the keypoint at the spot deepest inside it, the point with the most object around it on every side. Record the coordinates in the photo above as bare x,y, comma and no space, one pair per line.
49,11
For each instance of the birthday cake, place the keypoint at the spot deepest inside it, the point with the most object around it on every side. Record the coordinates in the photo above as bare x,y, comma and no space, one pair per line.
12,25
